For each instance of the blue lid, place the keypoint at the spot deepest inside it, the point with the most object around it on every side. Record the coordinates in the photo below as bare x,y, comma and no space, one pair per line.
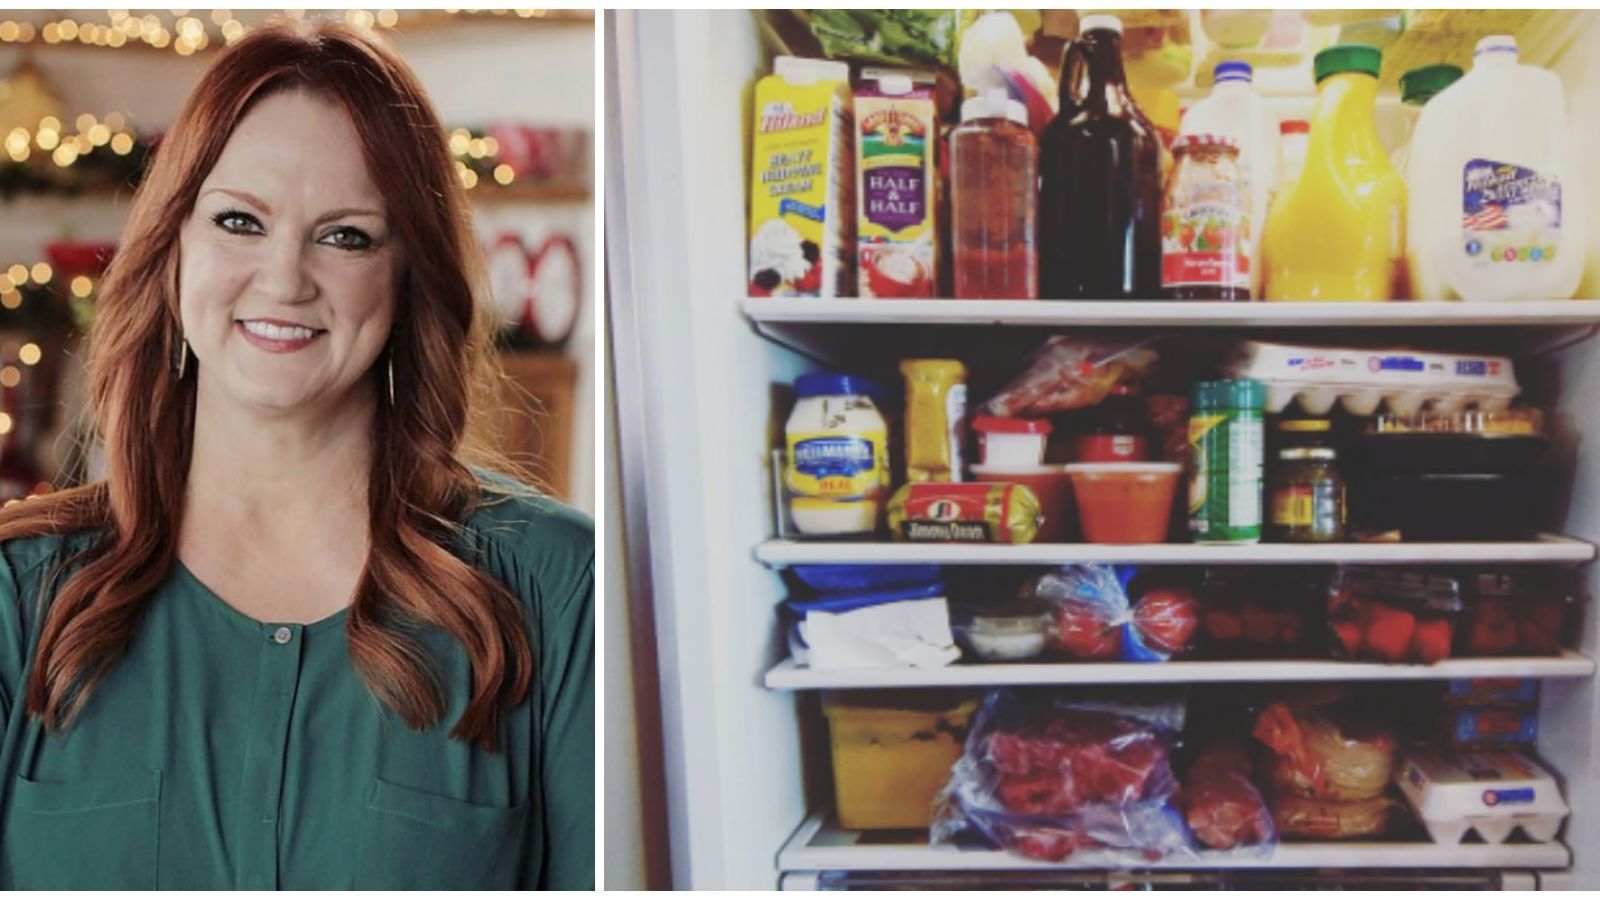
827,384
1233,70
845,602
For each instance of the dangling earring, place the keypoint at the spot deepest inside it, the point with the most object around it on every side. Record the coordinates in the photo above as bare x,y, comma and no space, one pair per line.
391,377
183,357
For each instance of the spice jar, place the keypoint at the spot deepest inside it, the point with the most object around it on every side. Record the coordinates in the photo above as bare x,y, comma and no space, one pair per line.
1308,501
1205,222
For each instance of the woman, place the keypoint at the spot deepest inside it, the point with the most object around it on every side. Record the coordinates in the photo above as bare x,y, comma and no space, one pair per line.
293,640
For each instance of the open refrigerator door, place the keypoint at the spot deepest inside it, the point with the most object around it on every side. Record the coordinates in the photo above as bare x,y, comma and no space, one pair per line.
1356,537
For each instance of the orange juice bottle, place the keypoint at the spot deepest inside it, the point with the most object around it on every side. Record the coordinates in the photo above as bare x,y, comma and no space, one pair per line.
1338,233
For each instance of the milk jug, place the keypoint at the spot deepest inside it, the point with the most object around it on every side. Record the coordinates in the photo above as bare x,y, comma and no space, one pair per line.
1497,209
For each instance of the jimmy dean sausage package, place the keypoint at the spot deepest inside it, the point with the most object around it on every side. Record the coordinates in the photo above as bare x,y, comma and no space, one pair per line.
802,217
986,513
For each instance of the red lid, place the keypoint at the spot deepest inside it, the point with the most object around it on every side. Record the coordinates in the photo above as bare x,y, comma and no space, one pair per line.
1002,425
1294,126
1209,141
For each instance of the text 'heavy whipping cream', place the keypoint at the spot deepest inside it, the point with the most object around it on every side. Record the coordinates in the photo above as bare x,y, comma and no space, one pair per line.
1497,209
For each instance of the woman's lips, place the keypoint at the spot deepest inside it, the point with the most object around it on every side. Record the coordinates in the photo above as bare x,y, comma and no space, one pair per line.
277,346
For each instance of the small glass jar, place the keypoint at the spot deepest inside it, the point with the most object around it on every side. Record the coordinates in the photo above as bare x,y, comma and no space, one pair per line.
1307,497
1205,222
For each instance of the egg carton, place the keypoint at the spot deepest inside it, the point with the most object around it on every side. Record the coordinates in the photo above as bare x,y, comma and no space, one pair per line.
1493,793
1408,381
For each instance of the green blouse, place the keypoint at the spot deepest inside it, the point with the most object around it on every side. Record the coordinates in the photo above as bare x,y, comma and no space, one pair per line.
225,753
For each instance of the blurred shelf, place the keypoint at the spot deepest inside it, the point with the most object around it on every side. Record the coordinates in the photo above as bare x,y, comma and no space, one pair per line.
790,677
531,193
1545,549
821,845
772,311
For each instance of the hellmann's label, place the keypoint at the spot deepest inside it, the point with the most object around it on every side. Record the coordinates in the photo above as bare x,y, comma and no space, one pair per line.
837,466
802,180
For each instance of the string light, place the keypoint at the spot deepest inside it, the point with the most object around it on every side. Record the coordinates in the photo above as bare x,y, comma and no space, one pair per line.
11,299
42,273
504,174
82,286
10,376
30,354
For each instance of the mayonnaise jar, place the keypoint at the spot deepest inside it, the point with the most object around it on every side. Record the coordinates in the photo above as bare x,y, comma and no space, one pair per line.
838,456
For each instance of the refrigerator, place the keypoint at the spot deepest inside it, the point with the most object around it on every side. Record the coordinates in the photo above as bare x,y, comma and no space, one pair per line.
703,387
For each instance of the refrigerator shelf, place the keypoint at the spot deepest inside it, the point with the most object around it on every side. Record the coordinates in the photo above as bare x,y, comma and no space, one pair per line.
821,845
786,676
1169,314
1547,548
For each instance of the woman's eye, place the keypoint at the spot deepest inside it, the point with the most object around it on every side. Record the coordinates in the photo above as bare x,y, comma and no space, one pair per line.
347,238
235,222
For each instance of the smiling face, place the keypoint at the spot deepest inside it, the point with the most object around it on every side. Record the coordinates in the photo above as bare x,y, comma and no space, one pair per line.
289,266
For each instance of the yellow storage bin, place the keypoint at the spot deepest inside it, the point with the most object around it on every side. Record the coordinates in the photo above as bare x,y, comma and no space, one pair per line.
892,752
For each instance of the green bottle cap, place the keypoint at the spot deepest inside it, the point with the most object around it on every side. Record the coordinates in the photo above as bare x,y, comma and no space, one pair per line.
1419,85
1240,394
1348,58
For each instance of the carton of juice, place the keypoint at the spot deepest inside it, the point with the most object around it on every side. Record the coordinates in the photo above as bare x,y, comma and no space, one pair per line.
897,132
801,216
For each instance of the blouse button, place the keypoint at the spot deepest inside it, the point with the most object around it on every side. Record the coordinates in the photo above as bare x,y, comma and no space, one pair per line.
282,635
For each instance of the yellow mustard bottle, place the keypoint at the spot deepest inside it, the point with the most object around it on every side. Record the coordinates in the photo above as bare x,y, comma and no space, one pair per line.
936,409
1338,233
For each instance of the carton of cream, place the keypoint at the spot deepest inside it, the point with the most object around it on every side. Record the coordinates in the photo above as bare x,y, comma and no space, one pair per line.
897,133
801,216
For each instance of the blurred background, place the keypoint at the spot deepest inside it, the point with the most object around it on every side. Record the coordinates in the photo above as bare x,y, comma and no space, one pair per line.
86,94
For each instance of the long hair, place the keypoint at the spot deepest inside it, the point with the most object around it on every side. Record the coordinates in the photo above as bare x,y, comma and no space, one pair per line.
421,488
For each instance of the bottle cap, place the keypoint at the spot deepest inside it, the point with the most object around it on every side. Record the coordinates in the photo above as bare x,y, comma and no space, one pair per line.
1366,60
1496,43
1205,141
1419,85
1294,126
1006,425
1233,70
1099,22
994,103
827,384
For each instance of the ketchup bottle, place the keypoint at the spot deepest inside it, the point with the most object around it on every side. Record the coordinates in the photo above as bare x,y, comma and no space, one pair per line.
1100,180
1119,430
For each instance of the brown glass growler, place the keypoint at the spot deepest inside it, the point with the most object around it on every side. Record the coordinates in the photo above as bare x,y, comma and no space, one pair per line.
1100,180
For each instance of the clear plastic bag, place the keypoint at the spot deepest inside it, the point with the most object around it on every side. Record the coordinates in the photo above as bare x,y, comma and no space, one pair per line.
1095,620
1221,803
1047,777
1071,373
1325,755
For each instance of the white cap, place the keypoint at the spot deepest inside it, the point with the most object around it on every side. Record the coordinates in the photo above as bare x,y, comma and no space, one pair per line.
994,103
801,70
1099,22
1497,43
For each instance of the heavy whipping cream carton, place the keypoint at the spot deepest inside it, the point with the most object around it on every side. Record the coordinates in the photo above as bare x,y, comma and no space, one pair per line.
897,134
801,213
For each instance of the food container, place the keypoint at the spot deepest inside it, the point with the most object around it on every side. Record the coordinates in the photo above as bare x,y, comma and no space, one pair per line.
1004,441
1051,485
1005,638
1463,443
1124,503
1481,692
1363,380
837,578
1254,614
892,752
1444,507
1490,792
1393,617
1493,727
1507,615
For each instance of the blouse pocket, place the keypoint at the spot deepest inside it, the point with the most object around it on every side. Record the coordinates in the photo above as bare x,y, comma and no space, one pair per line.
414,840
96,834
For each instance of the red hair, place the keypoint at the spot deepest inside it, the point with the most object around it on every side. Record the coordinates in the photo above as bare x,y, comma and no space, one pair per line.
421,487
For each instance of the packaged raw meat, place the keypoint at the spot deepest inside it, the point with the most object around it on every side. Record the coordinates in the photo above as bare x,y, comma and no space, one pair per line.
1325,754
992,512
1305,817
1071,373
1094,619
1048,777
1220,800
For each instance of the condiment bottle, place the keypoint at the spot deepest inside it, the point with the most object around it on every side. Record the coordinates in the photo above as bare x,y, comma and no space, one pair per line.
936,407
1205,222
838,456
1119,429
994,200
1307,496
1100,180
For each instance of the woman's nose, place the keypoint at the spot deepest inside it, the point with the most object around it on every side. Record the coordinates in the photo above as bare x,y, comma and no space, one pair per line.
284,275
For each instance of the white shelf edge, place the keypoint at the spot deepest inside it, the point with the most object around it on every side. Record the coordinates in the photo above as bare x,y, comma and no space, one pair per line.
819,846
1545,549
786,676
1167,313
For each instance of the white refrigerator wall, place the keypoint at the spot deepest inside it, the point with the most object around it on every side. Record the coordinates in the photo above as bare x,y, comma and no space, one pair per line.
701,397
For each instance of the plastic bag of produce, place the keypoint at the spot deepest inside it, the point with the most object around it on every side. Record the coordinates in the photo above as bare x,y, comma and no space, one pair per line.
912,37
1049,777
1095,620
1221,803
1325,754
1071,373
